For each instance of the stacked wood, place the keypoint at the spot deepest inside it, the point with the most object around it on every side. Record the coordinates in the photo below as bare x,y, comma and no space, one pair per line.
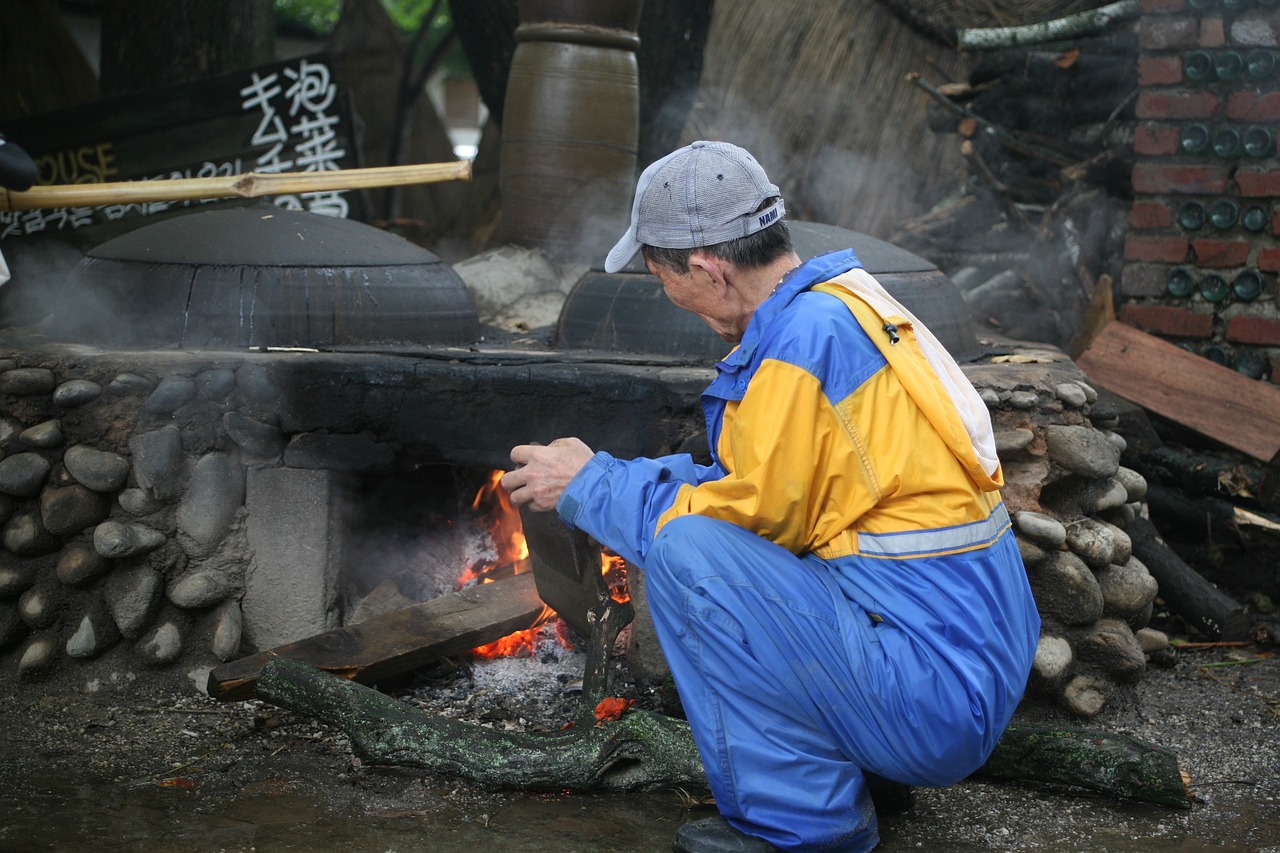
1045,129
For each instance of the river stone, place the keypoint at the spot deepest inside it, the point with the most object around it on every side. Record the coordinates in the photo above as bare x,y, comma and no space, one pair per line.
115,539
43,435
96,634
68,510
217,383
23,474
15,577
1082,450
7,505
1053,658
157,461
130,384
27,381
9,427
227,632
1011,441
138,502
76,392
131,593
1041,529
1127,589
79,564
1151,640
1135,485
256,384
1104,415
1123,516
1123,543
1118,441
26,536
1065,589
100,470
36,658
215,493
1092,542
990,397
1030,552
259,441
1087,694
1024,400
38,606
1111,646
199,589
163,644
1070,394
170,394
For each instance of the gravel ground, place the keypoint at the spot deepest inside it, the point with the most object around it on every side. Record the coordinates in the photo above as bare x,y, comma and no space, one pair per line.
148,768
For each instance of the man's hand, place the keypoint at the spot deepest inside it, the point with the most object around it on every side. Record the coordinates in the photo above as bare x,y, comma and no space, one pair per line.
544,471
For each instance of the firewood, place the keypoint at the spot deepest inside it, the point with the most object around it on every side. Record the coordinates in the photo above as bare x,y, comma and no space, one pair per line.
643,750
1197,602
1082,23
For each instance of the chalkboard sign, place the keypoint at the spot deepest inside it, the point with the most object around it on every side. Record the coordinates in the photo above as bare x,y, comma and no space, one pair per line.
285,117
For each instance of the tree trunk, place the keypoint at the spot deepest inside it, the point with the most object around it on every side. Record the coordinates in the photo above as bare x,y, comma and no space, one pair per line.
151,43
643,750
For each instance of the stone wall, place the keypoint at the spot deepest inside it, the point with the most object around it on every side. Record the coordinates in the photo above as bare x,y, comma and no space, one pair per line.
1201,258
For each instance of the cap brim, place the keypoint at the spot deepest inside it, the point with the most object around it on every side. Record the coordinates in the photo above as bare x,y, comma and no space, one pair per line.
622,253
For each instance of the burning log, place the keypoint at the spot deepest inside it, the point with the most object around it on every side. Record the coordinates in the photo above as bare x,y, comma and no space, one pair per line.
643,750
399,641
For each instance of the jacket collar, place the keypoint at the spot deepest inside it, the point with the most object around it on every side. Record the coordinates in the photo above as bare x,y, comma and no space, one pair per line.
797,281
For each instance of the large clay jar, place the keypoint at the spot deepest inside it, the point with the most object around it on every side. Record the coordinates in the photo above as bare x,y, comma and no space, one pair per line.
570,127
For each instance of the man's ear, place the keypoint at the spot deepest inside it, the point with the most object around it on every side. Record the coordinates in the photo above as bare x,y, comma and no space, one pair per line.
715,268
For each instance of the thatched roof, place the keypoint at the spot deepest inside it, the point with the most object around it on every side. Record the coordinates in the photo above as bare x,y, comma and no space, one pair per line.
941,20
818,91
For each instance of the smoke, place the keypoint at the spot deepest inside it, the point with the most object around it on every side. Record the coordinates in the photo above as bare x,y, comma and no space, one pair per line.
37,289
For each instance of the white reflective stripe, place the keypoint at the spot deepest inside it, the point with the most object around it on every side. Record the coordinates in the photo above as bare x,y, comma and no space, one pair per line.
939,541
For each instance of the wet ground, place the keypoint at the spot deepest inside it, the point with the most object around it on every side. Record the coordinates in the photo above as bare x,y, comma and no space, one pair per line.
116,771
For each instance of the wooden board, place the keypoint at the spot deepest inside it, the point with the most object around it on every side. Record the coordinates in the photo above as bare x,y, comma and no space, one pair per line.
399,641
1213,400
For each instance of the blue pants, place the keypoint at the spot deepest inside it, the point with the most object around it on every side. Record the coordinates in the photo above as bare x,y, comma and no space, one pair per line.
794,689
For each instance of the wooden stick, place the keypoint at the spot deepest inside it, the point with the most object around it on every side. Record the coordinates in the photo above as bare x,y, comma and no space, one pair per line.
248,185
1081,23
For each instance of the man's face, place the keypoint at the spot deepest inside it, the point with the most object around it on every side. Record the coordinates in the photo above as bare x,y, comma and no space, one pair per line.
694,291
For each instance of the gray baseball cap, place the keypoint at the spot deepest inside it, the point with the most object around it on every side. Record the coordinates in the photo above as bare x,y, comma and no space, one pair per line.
705,193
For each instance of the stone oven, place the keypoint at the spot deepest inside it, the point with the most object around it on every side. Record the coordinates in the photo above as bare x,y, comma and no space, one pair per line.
182,502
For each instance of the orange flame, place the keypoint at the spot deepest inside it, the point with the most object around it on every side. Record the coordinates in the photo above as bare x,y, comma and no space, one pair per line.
503,523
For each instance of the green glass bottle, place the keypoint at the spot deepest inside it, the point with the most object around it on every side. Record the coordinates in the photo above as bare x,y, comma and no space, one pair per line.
1179,284
1255,217
1214,288
1197,66
1194,139
1224,214
1260,64
1192,215
1227,143
1257,141
1218,354
1251,363
1201,4
1247,286
1228,65
1234,5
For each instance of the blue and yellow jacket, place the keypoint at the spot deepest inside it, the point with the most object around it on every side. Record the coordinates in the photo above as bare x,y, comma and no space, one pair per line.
827,439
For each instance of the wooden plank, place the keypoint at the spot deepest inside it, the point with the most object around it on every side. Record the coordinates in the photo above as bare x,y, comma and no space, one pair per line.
399,641
1213,400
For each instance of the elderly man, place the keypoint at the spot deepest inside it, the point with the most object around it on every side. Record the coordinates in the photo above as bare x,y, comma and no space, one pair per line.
838,594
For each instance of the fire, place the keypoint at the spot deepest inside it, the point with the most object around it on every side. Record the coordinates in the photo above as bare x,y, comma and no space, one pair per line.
502,520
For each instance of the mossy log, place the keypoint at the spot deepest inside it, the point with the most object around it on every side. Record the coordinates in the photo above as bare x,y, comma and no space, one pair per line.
640,751
1105,762
644,750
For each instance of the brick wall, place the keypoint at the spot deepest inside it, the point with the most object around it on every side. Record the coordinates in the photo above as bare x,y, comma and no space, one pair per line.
1202,257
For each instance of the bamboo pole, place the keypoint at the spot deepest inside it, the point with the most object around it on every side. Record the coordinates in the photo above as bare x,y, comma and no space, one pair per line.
248,185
